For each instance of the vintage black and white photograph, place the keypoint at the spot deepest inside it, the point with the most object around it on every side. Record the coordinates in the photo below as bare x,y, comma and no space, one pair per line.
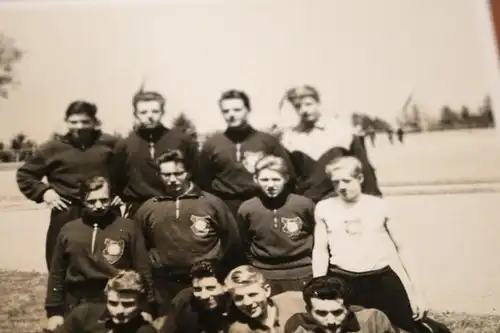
221,166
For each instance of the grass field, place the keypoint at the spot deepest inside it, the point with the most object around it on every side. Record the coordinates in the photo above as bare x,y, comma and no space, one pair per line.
454,238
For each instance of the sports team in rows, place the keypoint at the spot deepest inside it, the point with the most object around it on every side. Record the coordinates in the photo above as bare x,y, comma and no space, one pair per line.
248,233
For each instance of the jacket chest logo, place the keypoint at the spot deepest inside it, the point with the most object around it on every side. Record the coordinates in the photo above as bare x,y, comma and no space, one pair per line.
113,250
200,225
291,226
250,158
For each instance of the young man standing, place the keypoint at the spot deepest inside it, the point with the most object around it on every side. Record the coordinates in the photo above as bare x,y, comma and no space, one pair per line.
83,152
257,311
228,159
92,249
278,228
353,240
121,311
329,311
316,140
183,226
203,307
136,173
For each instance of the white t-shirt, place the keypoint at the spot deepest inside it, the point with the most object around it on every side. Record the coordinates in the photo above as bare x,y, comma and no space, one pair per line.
330,133
357,238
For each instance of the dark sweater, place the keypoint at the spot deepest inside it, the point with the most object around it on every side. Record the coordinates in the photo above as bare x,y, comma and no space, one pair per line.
65,163
279,232
358,320
94,318
228,160
179,231
136,174
118,245
186,316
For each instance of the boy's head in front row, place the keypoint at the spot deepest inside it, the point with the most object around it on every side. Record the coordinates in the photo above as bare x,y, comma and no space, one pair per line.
249,291
271,175
207,285
346,174
325,299
125,293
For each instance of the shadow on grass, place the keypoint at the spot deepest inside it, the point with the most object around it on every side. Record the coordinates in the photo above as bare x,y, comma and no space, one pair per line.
22,295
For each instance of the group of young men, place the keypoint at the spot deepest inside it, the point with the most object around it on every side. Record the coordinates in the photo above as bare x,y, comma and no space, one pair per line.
248,233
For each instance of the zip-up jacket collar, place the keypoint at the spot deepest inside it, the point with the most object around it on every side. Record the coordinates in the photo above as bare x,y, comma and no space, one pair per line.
192,192
152,134
69,139
239,134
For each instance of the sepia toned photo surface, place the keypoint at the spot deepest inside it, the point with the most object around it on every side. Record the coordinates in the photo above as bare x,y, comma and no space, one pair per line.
408,88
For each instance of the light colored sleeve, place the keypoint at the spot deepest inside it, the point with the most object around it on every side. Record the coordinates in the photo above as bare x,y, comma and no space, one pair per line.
320,255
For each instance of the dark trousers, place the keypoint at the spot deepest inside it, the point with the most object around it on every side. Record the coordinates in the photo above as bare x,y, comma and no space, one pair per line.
236,259
85,292
291,284
57,220
381,289
167,286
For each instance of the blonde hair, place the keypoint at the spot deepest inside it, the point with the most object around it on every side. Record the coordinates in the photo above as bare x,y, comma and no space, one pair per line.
349,163
271,162
126,280
243,276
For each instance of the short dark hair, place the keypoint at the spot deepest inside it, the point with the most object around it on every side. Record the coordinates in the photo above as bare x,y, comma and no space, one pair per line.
146,96
236,94
92,184
171,155
81,107
326,288
207,268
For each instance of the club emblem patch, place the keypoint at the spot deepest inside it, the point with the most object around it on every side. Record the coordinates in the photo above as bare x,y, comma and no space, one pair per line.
250,158
113,250
200,225
352,227
291,226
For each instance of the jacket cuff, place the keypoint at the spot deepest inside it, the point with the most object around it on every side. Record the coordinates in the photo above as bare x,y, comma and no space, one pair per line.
38,196
56,310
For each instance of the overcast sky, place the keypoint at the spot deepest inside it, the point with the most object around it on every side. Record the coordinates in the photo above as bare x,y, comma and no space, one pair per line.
363,55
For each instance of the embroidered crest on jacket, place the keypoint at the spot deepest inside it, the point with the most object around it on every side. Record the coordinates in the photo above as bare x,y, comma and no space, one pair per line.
113,250
200,225
250,158
291,226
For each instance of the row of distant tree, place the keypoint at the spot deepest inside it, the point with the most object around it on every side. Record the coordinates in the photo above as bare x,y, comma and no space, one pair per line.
417,120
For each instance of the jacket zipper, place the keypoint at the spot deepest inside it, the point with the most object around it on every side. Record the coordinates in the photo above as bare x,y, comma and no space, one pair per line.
238,152
151,146
94,236
177,208
178,201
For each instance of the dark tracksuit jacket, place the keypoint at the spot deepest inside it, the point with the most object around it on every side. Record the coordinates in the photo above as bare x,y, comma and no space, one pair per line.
95,318
179,231
317,185
90,251
187,317
279,233
227,160
65,163
358,320
136,174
